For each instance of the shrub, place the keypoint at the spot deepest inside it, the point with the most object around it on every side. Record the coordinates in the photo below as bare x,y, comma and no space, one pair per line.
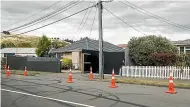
188,59
163,58
66,63
141,48
183,60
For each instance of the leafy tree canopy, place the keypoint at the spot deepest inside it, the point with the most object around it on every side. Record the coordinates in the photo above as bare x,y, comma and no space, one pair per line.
43,46
140,48
59,44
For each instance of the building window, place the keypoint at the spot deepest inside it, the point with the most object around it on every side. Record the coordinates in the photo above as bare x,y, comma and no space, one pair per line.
181,50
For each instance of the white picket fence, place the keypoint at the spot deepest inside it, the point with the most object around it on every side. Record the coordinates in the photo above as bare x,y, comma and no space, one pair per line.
156,72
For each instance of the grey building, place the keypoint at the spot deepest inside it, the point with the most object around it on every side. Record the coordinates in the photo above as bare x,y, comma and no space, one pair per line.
85,53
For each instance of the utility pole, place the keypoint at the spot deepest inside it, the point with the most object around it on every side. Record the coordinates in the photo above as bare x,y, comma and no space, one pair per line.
101,72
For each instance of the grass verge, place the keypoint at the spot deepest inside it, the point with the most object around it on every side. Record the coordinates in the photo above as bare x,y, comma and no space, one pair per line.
20,72
185,84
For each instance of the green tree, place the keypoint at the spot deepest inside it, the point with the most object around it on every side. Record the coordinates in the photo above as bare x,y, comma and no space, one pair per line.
59,44
6,32
141,48
43,46
70,41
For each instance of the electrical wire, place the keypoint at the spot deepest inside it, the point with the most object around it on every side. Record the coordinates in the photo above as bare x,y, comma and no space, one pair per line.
81,21
155,16
50,16
56,21
93,22
35,13
124,21
85,21
43,16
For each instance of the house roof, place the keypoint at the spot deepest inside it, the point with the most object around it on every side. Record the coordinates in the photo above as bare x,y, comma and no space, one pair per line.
182,42
88,44
18,50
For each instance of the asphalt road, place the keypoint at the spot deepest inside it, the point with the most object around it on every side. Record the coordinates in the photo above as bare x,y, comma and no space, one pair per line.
47,91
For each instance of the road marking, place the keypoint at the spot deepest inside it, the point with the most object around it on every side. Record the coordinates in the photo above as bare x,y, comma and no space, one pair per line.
63,101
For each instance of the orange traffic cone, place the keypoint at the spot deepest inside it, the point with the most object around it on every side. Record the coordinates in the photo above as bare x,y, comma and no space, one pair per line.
25,72
171,89
8,72
91,74
70,77
113,84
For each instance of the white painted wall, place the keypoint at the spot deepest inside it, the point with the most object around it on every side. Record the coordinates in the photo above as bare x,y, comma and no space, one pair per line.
76,59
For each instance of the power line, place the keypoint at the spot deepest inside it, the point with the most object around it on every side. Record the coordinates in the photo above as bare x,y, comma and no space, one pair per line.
93,22
56,21
124,21
43,16
155,16
81,21
35,13
85,21
50,16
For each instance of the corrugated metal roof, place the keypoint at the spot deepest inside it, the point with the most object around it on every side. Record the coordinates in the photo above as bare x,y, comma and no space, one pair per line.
89,44
18,50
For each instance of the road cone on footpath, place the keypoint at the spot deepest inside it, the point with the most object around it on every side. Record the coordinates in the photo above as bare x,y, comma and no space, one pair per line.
113,84
8,73
25,72
70,77
91,74
171,89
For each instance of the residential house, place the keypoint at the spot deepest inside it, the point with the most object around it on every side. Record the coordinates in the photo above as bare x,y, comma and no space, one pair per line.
183,46
85,53
18,51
